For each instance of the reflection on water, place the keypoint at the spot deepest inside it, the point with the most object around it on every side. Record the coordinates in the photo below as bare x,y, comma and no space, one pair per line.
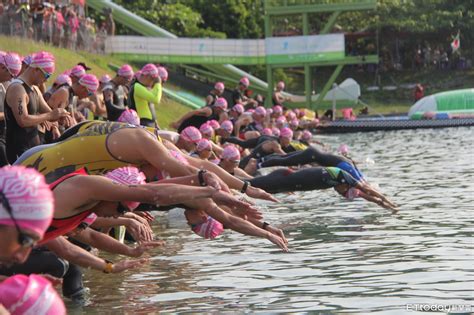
345,256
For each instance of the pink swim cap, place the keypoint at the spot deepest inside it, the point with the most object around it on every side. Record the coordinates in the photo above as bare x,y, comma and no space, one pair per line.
150,69
90,219
260,110
203,144
206,130
244,81
27,60
125,71
210,229
43,60
307,135
33,294
90,82
191,134
286,133
227,126
267,132
219,86
281,85
290,116
343,149
281,120
163,73
277,109
238,108
231,153
294,123
129,116
105,78
214,124
78,71
63,79
29,197
352,193
12,62
269,111
127,175
276,131
221,103
316,121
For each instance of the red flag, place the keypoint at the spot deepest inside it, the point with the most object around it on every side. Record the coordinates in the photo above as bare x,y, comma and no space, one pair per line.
456,43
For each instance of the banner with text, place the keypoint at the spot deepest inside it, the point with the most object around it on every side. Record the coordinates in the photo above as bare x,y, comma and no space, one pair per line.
275,50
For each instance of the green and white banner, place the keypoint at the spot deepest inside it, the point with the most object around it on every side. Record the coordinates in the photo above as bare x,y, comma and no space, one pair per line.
275,50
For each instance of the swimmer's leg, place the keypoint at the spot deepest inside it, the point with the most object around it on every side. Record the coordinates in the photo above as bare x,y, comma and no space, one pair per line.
291,159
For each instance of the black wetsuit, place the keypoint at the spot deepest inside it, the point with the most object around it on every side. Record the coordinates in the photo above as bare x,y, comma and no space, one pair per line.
197,120
20,139
114,107
251,143
43,261
312,155
238,96
214,98
286,180
256,153
250,127
3,144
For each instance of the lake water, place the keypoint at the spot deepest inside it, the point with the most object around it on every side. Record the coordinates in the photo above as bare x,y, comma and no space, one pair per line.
350,257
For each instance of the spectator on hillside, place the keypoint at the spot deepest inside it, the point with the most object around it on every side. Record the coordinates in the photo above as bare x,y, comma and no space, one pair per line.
418,59
57,26
101,37
419,92
4,28
37,11
47,33
444,60
109,22
72,22
427,56
436,57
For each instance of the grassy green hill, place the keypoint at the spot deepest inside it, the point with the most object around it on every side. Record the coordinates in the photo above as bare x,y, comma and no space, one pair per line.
167,110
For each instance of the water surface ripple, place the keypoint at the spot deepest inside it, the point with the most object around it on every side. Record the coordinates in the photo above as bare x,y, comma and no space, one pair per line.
345,256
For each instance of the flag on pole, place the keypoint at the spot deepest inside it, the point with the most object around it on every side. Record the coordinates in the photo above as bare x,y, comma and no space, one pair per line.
456,43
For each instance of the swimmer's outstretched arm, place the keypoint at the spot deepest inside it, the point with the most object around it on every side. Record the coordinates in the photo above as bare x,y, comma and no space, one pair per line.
99,188
157,155
79,256
242,226
109,244
376,193
137,226
240,173
268,227
369,194
232,181
216,149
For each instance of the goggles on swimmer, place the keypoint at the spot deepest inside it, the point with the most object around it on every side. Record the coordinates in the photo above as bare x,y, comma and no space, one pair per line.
24,239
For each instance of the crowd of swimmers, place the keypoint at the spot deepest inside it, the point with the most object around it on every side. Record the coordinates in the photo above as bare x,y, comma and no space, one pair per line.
85,162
